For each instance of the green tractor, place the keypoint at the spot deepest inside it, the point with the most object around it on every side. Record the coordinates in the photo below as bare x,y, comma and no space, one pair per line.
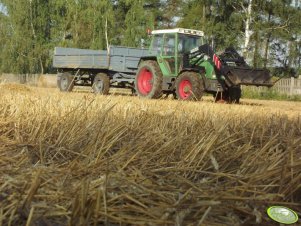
180,63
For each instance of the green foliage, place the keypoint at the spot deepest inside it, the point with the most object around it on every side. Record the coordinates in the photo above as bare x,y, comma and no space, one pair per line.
273,23
137,21
30,29
268,94
218,19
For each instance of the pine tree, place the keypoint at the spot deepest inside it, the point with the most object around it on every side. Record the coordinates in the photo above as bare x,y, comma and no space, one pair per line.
218,19
137,21
278,23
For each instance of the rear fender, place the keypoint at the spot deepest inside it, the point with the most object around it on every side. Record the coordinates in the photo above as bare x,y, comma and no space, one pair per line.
163,67
154,58
200,71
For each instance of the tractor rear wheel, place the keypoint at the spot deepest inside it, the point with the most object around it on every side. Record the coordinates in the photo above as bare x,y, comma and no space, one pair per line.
101,84
189,86
148,82
65,82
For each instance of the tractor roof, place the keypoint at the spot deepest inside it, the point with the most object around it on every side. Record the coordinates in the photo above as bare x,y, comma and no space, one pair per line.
179,30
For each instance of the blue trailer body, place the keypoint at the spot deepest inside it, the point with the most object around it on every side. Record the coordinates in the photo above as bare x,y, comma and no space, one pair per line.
117,59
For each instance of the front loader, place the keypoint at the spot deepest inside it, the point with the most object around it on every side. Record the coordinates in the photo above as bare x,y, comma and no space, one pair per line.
186,67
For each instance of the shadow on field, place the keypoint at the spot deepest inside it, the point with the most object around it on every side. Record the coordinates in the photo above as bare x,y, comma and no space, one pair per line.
250,104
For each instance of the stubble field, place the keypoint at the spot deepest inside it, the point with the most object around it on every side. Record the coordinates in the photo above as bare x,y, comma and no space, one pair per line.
80,159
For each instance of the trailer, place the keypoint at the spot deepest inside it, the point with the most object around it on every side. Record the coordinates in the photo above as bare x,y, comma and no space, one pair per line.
100,69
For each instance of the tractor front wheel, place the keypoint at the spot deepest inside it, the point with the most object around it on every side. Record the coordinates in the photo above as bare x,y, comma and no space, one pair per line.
148,82
101,84
189,86
65,82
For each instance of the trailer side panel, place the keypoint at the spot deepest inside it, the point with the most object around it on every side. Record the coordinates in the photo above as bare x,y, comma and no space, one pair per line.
118,59
80,58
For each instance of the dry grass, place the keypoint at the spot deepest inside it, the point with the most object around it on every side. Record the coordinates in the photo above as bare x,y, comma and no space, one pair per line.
14,87
47,81
80,159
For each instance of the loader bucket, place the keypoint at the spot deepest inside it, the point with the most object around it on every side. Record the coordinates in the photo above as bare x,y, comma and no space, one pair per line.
249,76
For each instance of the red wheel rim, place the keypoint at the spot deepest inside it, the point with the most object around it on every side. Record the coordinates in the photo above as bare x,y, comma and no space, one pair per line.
145,78
185,87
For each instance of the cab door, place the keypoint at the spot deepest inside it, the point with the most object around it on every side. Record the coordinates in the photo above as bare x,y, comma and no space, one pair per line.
168,54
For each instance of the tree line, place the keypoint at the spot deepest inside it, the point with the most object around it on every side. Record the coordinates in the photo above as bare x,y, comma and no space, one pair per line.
267,33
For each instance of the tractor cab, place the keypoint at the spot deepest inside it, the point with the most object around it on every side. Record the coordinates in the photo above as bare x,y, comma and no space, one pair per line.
169,45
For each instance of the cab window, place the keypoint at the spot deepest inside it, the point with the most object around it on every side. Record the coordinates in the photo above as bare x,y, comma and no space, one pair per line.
169,45
188,42
157,43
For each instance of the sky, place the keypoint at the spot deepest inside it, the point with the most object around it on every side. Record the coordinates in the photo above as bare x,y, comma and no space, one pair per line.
3,9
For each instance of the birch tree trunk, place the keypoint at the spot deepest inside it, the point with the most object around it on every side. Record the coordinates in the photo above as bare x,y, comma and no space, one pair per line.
256,51
106,34
248,32
31,20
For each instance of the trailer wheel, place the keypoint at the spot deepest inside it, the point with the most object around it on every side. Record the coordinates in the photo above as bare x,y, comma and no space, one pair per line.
65,82
189,86
148,82
101,84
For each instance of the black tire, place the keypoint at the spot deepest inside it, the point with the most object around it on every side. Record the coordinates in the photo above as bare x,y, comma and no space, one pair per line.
101,84
234,94
189,86
65,82
148,81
